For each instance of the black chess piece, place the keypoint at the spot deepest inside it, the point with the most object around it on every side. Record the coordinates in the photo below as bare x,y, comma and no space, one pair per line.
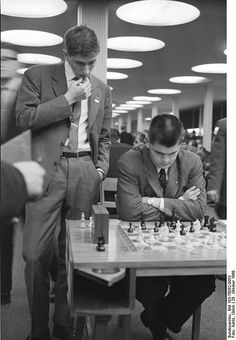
206,222
213,224
191,230
156,228
101,243
173,219
143,224
162,220
131,229
182,231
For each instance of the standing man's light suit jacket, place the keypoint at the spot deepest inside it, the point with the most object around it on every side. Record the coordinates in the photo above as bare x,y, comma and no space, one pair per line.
42,107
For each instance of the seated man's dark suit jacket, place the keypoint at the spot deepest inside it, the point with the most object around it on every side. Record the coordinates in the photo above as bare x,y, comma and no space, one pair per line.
138,177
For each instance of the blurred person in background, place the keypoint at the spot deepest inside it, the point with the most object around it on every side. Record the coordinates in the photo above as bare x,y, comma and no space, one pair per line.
126,137
216,188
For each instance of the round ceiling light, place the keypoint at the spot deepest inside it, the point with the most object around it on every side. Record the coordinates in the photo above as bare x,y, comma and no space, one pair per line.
147,98
126,107
134,44
189,80
115,114
164,91
30,38
33,8
137,106
210,68
111,88
116,75
123,63
34,58
157,13
120,111
142,102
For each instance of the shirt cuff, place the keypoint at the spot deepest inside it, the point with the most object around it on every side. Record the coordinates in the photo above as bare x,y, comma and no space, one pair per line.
162,205
102,171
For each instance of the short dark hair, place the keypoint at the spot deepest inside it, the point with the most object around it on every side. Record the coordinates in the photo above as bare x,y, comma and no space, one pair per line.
114,134
166,130
81,40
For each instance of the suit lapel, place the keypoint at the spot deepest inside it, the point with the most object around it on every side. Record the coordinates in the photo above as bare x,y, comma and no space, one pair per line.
173,180
59,80
94,101
151,173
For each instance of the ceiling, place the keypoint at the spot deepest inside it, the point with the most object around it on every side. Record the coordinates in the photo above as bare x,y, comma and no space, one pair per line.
198,42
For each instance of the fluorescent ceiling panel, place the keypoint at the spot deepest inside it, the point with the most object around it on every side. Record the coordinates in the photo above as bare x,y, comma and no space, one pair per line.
123,63
147,98
120,111
134,44
142,102
137,106
189,80
210,68
126,107
116,75
34,58
164,91
148,118
33,8
30,38
157,13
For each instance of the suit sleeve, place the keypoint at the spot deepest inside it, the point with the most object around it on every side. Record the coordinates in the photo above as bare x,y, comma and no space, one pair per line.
129,198
218,161
104,143
190,209
13,192
31,113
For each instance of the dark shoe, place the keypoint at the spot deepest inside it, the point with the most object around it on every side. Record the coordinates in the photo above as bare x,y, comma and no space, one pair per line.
63,333
44,336
156,326
5,298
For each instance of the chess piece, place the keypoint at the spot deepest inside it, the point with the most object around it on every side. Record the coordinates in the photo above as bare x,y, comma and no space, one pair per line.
197,225
101,243
178,225
212,226
173,219
82,221
143,224
156,229
90,222
162,220
131,229
182,231
191,230
206,222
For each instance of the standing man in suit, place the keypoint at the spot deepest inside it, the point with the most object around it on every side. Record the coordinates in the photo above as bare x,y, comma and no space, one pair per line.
216,187
126,137
152,180
69,113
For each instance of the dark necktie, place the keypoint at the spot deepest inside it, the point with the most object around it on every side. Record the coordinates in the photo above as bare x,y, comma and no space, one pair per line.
163,180
73,134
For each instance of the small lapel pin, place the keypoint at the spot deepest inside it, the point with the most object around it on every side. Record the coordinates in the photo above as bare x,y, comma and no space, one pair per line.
96,100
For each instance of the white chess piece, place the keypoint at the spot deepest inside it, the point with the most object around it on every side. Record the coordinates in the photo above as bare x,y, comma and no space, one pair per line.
82,221
90,222
178,225
197,225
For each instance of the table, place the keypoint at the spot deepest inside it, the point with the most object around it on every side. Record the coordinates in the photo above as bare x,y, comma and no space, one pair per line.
82,253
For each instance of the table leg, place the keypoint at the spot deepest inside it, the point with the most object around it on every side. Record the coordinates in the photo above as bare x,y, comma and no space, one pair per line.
100,327
196,324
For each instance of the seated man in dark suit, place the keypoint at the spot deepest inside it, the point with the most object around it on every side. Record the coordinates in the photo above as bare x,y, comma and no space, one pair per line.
126,137
153,180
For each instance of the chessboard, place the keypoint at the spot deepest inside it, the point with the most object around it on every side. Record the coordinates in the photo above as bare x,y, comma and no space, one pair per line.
190,235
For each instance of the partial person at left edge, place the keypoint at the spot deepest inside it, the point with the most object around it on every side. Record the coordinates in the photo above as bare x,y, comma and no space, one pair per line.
10,84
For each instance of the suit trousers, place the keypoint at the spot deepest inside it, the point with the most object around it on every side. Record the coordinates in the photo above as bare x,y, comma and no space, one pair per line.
185,295
73,189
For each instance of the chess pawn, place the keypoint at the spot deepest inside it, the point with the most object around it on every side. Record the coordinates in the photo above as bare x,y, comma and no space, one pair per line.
182,231
143,225
178,227
131,229
178,239
82,221
156,229
101,243
206,222
90,222
191,230
197,225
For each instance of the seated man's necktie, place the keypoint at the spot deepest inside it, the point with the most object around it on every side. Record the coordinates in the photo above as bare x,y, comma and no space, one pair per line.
163,180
